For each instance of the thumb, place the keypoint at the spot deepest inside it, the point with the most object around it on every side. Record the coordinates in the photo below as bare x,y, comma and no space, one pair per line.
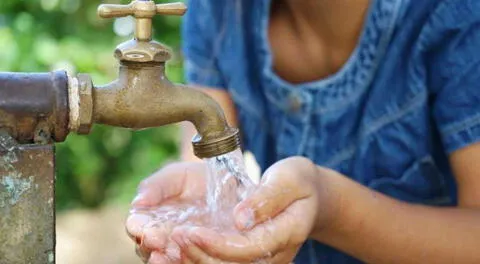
280,187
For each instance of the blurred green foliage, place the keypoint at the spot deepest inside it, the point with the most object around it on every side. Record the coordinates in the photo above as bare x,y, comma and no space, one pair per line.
46,35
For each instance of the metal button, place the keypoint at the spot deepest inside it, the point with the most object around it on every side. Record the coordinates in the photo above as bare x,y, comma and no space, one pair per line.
295,102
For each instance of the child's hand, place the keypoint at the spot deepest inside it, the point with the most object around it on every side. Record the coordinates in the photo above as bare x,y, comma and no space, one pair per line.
178,184
295,198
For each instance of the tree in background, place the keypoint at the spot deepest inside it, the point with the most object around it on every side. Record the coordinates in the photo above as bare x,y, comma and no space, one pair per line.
46,35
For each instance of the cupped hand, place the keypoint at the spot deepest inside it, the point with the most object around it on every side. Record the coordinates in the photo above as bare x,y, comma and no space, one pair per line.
164,199
289,205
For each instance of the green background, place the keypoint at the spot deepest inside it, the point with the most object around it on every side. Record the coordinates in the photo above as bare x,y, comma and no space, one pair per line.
45,35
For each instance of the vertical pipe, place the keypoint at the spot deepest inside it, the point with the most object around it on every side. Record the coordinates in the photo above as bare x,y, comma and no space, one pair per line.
27,203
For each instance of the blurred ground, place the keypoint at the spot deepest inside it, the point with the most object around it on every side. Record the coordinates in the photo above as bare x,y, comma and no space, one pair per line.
98,236
94,236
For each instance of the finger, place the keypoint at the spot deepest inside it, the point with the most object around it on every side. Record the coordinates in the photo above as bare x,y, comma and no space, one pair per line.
167,183
197,256
142,252
280,187
190,253
158,258
233,247
284,257
156,237
173,252
187,261
135,224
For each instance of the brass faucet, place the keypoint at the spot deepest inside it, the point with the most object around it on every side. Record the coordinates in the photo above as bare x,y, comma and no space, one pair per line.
142,96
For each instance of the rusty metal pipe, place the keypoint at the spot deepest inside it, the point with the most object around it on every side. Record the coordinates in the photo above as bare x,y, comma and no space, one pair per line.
34,106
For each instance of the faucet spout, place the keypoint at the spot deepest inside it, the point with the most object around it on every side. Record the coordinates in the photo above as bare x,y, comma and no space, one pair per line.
143,97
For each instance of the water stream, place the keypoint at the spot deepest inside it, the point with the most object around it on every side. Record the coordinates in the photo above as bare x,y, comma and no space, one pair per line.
227,185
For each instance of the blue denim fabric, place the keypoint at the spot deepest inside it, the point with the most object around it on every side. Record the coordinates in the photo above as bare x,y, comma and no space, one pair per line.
408,96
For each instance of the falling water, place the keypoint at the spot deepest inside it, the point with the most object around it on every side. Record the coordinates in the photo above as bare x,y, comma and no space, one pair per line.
227,185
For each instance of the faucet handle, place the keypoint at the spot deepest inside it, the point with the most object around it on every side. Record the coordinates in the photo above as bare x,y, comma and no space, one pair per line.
143,11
